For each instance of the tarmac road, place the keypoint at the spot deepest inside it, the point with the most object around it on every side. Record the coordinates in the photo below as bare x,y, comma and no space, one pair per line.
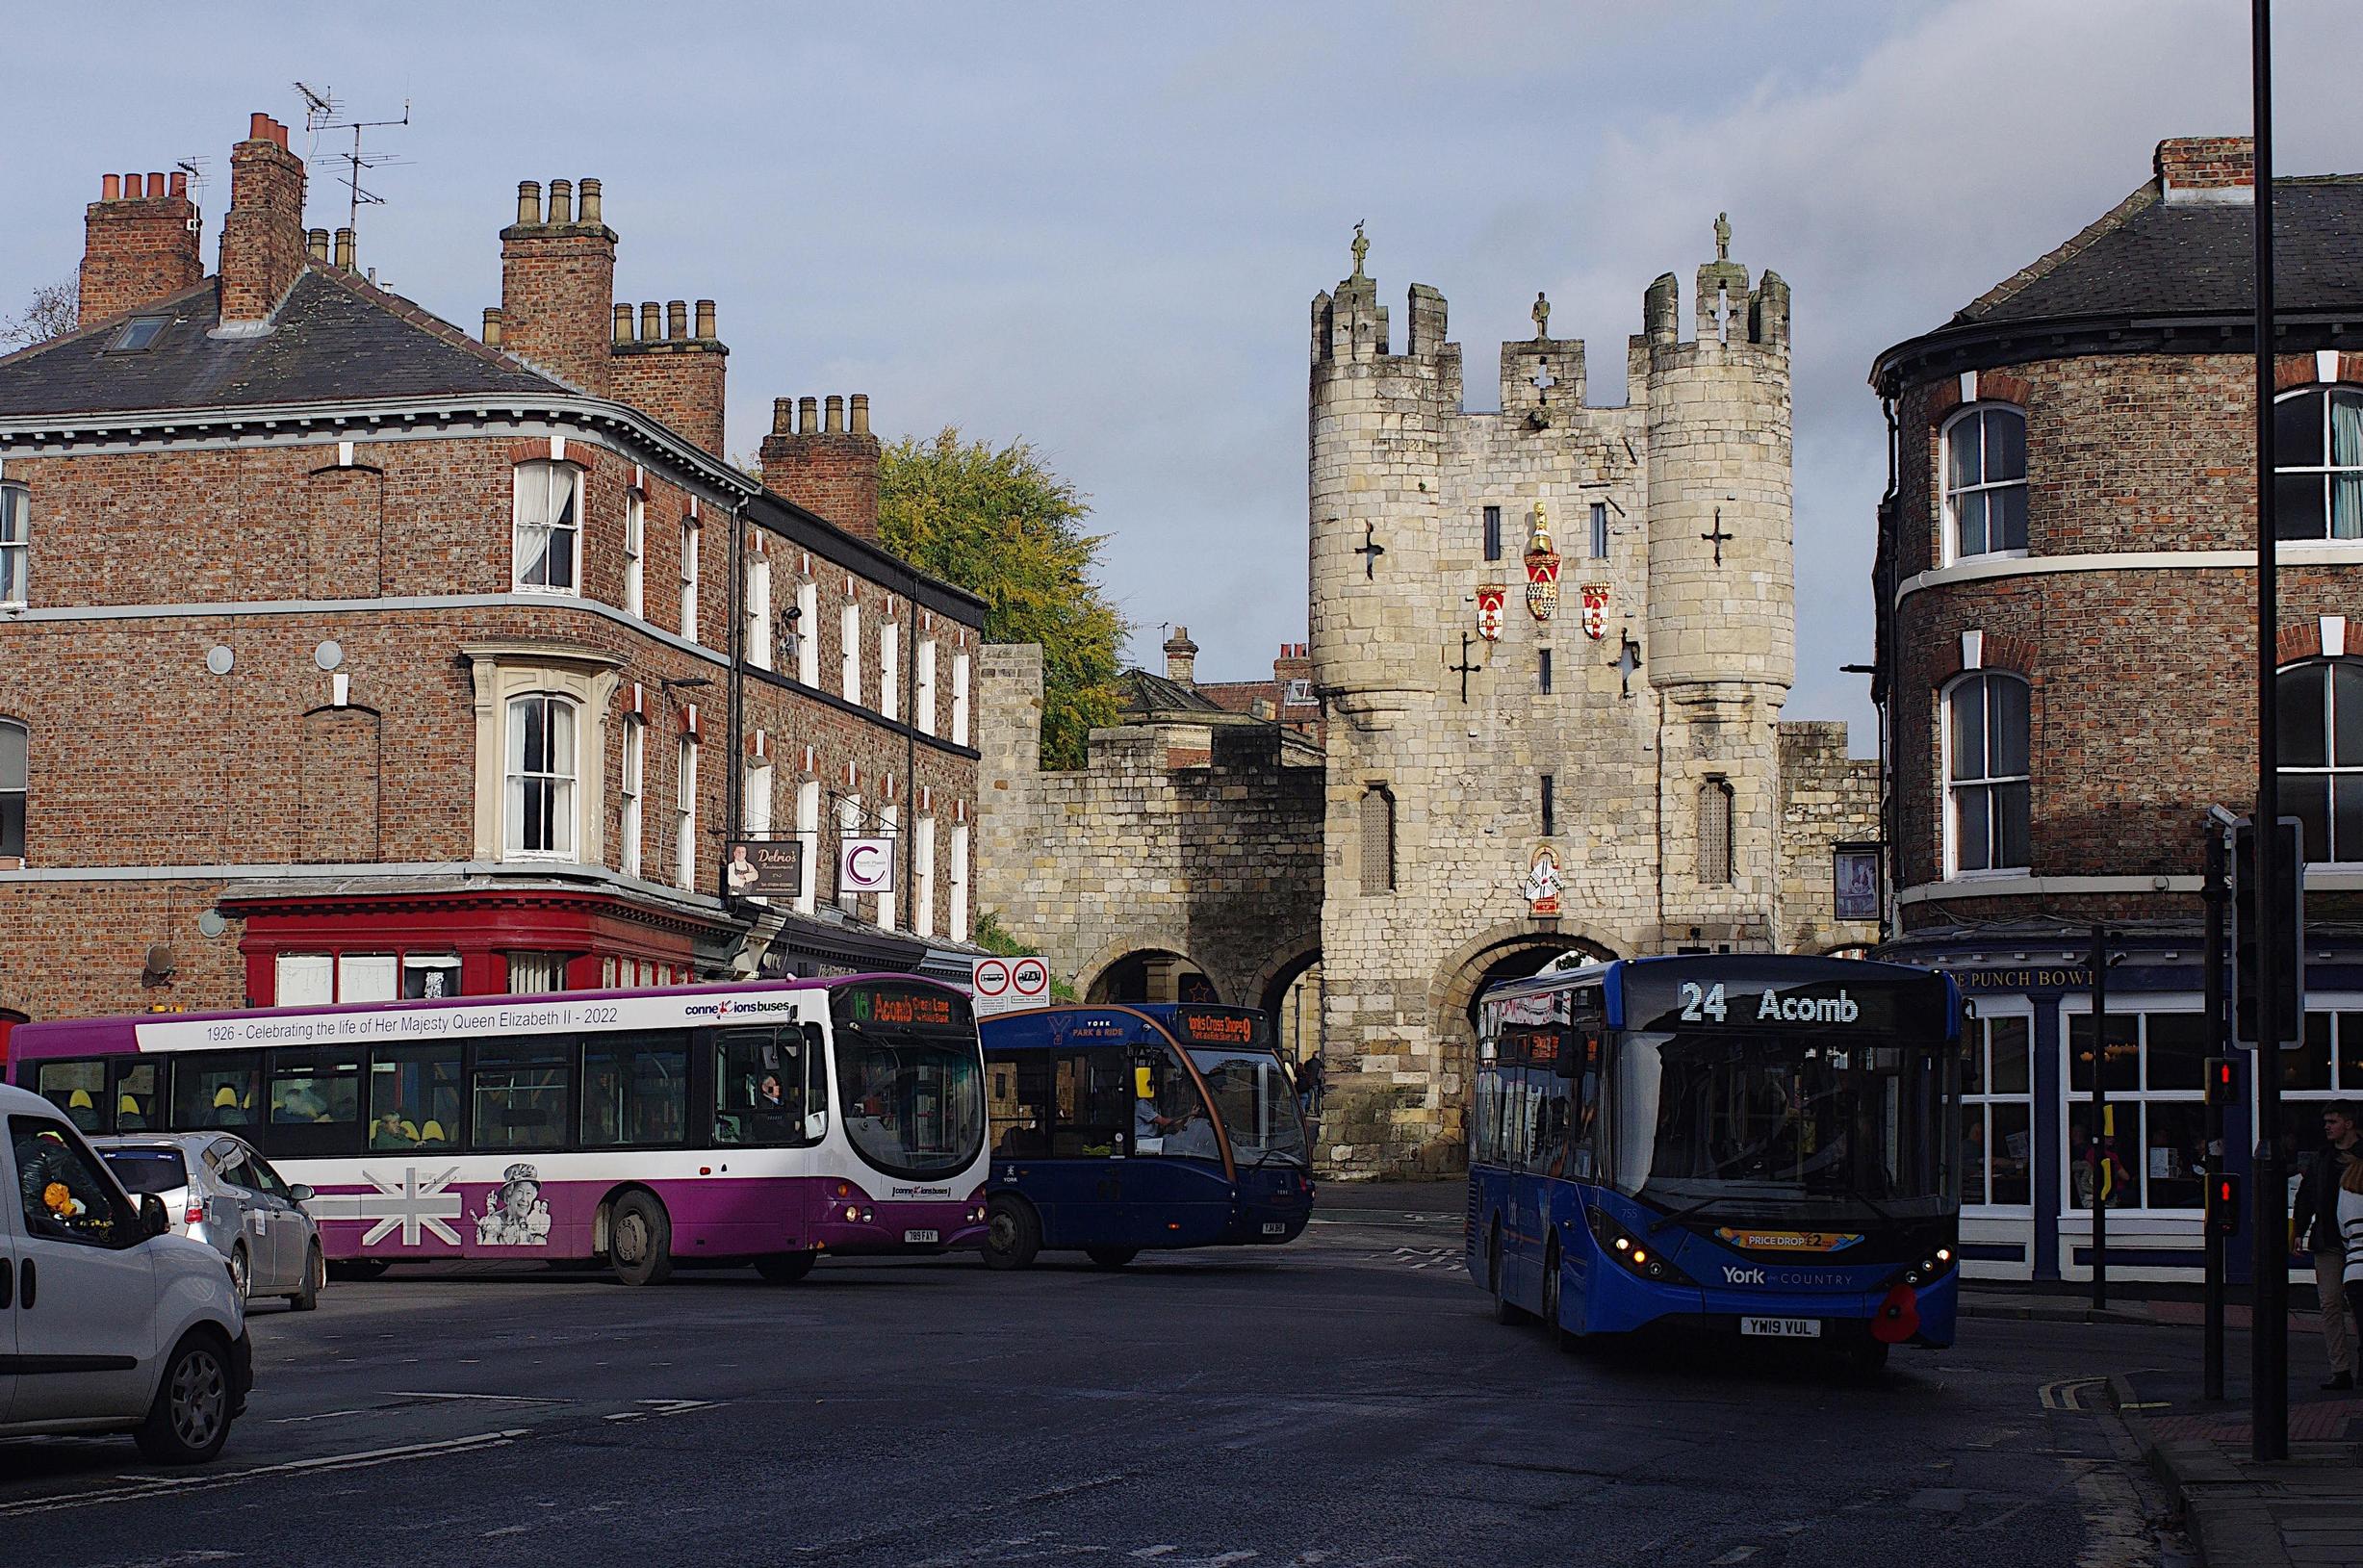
1344,1401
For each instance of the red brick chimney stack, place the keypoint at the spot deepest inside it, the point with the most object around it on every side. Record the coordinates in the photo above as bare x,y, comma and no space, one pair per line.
832,471
263,235
1181,658
1294,663
2207,169
139,244
557,283
672,367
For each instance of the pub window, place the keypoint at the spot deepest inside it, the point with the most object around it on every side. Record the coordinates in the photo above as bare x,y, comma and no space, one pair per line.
520,1096
2154,1148
1715,832
689,578
532,974
548,500
427,975
635,768
1997,1108
1377,840
685,814
758,612
635,553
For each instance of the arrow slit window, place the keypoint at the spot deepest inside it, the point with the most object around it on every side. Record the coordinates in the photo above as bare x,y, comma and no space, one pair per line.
1493,533
1715,832
1378,834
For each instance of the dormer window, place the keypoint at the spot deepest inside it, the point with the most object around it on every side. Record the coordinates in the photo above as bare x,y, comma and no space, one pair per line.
139,334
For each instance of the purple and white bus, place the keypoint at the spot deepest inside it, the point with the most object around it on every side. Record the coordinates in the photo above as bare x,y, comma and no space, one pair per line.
759,1123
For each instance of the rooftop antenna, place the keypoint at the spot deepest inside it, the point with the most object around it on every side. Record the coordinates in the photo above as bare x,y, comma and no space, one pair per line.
194,166
322,111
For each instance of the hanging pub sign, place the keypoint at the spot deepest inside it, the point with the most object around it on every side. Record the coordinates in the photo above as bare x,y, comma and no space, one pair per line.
765,867
1542,568
1544,884
1489,602
1595,610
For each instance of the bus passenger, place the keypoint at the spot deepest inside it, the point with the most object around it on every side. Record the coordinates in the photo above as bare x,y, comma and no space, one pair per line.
389,1132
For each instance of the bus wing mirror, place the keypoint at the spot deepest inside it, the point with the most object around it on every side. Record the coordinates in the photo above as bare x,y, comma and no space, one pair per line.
816,1124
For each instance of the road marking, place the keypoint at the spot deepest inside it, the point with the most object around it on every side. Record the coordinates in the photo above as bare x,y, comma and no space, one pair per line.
2068,1393
664,1407
490,1399
365,1460
325,1415
1737,1554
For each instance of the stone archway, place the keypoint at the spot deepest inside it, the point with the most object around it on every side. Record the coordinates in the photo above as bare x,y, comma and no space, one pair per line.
1503,952
1145,972
1288,990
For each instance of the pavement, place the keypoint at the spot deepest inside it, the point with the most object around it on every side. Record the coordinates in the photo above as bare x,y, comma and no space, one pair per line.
1345,1401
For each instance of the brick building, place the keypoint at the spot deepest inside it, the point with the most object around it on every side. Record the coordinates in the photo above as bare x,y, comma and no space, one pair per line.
344,656
2065,587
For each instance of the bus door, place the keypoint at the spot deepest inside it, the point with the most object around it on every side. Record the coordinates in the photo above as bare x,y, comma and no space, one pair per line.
1176,1189
1080,1191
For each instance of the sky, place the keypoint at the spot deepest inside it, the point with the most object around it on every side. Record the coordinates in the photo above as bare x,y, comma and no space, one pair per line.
1097,228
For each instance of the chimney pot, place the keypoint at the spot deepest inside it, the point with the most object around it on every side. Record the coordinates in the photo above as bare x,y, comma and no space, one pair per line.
492,327
704,321
589,188
180,183
861,413
529,202
257,126
782,416
131,187
561,202
652,321
111,187
676,319
345,249
623,322
807,416
837,414
316,244
155,185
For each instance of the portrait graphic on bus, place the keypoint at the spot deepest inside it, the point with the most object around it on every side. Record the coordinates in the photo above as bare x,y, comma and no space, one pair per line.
515,1212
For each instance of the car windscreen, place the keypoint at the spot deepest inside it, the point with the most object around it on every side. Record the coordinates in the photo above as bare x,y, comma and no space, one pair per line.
147,1170
1258,1105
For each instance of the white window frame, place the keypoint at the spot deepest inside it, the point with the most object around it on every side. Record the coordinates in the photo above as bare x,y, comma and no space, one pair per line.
882,905
2333,767
808,832
1948,805
808,632
848,825
689,578
959,698
563,785
686,815
633,775
849,638
923,689
960,882
16,544
21,789
1950,522
758,612
889,683
924,877
2328,392
635,553
549,475
1978,1105
2132,1134
755,809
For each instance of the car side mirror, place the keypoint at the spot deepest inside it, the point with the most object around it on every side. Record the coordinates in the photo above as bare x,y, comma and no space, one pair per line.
299,1192
816,1124
154,1217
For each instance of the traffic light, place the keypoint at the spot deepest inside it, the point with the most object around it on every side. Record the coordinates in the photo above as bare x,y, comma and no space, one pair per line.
2222,1205
2286,924
2222,1081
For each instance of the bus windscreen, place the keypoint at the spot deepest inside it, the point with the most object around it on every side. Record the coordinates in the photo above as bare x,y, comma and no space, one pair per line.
1258,1105
910,1078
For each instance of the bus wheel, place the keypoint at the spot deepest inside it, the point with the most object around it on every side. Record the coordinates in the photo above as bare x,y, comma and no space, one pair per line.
786,1268
358,1269
1503,1310
1111,1257
1012,1235
640,1240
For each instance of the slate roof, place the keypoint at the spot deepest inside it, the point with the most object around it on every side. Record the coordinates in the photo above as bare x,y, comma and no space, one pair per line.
1141,693
333,338
2149,257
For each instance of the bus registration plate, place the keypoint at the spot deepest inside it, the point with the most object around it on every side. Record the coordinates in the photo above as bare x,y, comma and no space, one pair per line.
1782,1328
1275,1227
921,1236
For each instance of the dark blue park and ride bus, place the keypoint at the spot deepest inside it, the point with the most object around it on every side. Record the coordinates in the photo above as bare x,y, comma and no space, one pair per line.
1742,1144
1115,1131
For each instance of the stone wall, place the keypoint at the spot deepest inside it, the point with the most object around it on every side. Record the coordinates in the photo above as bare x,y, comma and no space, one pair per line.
1827,799
1220,864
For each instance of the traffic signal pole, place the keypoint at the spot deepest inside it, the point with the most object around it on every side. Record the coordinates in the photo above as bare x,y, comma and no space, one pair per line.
2219,1059
2269,1344
2099,1130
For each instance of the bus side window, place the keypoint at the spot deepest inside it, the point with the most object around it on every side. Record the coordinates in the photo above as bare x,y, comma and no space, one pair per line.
138,1092
79,1089
1095,1103
216,1089
635,1090
414,1097
765,1082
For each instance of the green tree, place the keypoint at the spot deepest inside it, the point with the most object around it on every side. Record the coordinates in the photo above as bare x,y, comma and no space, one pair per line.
1001,525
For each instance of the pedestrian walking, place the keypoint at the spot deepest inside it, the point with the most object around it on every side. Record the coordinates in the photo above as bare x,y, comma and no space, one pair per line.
2350,1231
1312,1082
2318,1223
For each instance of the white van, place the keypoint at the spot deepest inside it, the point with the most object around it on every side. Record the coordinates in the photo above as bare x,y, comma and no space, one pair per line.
108,1323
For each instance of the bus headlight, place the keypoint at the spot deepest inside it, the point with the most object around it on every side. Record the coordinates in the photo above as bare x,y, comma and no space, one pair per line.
1930,1269
1638,1256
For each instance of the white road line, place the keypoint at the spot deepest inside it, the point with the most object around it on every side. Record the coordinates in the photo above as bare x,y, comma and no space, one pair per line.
367,1458
490,1399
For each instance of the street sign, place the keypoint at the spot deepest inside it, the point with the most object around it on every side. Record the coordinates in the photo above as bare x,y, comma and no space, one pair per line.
2285,932
1007,985
865,865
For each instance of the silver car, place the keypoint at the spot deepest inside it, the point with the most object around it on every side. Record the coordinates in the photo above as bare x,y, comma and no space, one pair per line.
218,1190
